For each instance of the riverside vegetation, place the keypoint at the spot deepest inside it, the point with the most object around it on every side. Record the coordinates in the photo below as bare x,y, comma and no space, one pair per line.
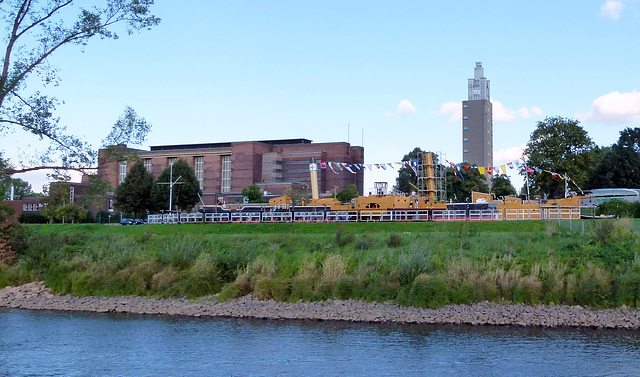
411,264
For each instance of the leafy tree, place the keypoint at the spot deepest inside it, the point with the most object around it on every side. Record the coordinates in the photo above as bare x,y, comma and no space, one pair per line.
58,206
559,145
619,165
185,192
501,186
134,194
459,189
406,175
348,193
96,190
253,193
35,31
21,189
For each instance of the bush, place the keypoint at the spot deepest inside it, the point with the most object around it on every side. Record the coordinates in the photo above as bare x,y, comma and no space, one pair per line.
32,218
427,292
395,240
364,242
620,208
343,239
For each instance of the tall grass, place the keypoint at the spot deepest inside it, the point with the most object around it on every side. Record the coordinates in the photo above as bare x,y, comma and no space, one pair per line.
419,264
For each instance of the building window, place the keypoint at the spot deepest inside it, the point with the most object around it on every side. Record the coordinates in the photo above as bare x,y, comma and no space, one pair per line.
465,128
198,167
465,106
226,174
465,117
71,194
172,160
465,150
122,171
147,165
465,139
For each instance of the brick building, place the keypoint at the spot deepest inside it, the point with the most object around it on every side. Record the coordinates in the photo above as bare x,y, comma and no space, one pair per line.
224,169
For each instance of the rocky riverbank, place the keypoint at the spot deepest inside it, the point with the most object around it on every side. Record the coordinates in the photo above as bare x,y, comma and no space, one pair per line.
36,296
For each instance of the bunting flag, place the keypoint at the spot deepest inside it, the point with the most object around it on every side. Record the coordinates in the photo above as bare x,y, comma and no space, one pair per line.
332,169
510,165
357,166
504,169
414,165
529,170
377,166
481,170
346,166
391,166
369,166
489,170
383,166
339,166
323,164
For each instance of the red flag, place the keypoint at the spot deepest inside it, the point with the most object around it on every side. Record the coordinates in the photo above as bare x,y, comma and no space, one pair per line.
529,170
323,164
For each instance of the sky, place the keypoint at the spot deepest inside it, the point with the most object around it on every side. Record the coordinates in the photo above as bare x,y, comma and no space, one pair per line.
389,76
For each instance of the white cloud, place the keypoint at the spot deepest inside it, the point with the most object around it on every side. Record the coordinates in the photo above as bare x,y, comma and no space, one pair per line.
405,107
611,9
500,113
503,114
453,108
615,108
506,155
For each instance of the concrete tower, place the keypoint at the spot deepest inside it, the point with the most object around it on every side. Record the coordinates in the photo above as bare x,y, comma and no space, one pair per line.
477,121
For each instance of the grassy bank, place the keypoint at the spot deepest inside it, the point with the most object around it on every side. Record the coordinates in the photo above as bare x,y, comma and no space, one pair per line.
419,264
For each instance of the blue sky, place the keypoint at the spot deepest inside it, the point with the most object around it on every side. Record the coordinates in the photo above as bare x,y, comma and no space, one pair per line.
392,73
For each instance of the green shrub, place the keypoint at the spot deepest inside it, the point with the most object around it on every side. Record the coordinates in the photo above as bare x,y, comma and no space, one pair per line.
593,287
364,242
343,239
619,208
427,292
395,240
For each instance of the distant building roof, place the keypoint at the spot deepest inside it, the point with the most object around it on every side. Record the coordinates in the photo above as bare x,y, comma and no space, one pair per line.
226,144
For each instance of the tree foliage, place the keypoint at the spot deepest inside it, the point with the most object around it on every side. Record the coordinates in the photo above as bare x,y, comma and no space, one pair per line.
185,192
134,194
348,193
34,31
253,193
559,145
501,186
59,206
620,164
406,175
461,184
21,189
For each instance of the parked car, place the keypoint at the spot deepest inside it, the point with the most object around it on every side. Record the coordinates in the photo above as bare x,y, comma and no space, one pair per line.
131,222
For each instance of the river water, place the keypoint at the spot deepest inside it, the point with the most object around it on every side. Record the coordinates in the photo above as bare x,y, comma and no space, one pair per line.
41,343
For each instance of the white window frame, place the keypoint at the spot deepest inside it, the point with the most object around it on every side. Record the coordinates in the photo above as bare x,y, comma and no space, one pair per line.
225,184
122,171
198,168
148,165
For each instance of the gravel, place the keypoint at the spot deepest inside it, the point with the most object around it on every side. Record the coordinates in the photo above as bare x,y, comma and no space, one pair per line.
35,296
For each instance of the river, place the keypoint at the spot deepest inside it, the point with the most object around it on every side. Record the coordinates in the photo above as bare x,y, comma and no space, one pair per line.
44,343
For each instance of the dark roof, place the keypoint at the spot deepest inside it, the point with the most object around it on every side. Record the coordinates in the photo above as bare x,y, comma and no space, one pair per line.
226,144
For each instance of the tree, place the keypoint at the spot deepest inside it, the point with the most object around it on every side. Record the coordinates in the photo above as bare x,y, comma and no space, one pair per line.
348,193
35,31
253,193
406,175
620,164
134,194
185,192
461,184
21,189
559,145
501,186
58,204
